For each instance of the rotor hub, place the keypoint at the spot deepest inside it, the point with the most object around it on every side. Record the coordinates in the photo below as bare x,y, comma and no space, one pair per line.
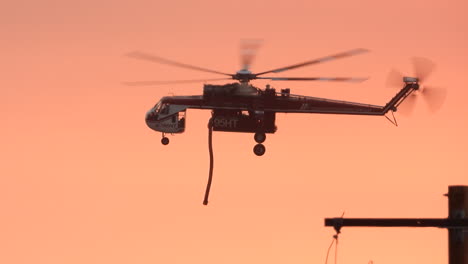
244,75
410,79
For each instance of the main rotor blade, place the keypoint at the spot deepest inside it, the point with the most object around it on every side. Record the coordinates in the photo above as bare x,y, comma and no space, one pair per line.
326,79
149,83
149,57
422,68
248,51
316,61
435,97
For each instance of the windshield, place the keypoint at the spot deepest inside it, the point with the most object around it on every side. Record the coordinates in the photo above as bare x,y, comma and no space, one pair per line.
162,108
157,106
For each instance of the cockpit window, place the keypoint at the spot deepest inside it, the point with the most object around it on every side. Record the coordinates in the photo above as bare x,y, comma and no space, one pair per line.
164,109
157,106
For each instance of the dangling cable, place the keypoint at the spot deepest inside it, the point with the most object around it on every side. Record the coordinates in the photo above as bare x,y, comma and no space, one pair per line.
336,248
335,241
210,147
328,251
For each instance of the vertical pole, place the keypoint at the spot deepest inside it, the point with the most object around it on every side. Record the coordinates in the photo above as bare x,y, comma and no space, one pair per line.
458,237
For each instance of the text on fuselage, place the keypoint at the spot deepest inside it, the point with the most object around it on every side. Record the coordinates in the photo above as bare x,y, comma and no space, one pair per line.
225,122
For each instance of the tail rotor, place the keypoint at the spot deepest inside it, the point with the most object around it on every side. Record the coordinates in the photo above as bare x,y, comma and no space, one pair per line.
432,95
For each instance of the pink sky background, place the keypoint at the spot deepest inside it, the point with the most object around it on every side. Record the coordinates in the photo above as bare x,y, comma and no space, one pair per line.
83,180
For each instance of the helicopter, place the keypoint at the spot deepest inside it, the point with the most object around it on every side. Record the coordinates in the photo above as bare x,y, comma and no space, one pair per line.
243,107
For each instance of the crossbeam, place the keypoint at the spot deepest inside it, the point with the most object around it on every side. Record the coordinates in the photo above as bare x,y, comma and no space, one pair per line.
337,223
456,223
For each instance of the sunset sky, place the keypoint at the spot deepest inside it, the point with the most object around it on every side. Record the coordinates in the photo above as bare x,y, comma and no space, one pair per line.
84,180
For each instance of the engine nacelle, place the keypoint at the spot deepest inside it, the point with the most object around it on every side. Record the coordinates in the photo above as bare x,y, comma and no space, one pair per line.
210,90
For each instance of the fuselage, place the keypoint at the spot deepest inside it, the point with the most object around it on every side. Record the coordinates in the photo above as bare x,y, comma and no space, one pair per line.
243,108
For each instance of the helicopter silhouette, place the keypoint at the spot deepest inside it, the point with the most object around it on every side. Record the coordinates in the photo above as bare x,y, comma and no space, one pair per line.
242,107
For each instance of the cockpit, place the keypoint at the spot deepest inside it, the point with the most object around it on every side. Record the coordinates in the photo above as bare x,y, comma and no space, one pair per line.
161,108
166,117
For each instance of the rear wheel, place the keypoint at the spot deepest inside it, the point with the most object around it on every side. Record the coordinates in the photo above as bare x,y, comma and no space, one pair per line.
259,137
165,141
259,149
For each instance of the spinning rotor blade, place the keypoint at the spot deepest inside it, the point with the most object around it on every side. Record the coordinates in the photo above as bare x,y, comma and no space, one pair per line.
406,108
394,79
149,57
327,79
435,97
248,51
149,83
422,68
316,61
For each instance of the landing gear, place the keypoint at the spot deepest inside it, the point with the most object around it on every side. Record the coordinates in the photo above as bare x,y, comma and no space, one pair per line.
259,137
164,140
259,149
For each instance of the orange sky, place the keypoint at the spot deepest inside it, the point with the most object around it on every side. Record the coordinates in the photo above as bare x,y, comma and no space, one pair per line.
83,180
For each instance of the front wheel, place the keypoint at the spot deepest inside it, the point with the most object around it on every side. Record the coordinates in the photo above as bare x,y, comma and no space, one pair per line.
259,149
165,141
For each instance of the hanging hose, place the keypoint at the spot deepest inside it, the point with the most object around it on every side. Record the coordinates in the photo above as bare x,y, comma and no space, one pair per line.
210,147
